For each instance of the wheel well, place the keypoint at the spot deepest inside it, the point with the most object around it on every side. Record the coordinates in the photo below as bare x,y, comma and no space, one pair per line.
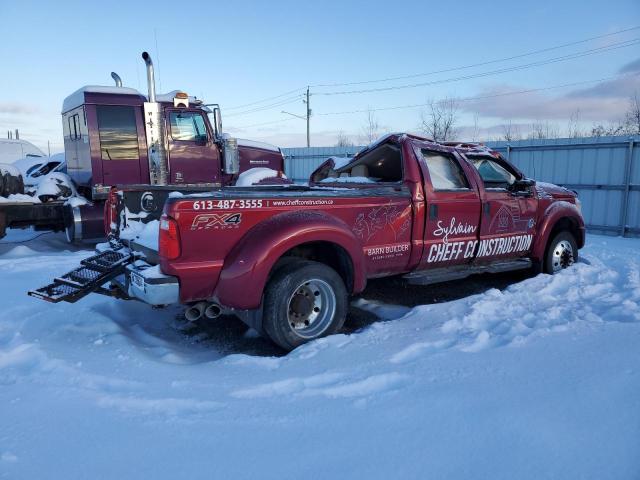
330,254
569,224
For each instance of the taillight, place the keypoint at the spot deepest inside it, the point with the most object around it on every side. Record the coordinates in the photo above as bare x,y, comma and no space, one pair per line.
169,241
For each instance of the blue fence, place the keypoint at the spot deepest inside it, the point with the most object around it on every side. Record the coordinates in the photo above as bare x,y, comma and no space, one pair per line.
605,171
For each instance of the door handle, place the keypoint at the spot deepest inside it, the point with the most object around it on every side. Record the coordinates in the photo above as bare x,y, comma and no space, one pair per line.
433,211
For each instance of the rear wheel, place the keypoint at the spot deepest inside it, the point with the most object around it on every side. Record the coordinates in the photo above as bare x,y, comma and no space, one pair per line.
304,300
562,252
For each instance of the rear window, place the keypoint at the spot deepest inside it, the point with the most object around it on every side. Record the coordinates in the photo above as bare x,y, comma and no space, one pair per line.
118,133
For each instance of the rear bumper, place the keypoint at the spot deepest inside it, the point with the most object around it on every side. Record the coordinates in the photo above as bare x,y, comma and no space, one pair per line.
148,284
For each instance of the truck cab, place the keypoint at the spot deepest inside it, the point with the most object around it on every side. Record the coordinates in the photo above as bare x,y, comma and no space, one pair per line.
106,143
115,135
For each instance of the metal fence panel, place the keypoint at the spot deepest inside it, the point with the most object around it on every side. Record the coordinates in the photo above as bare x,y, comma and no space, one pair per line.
605,172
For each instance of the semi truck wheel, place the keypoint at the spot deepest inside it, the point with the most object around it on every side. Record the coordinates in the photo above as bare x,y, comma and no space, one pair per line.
562,252
303,301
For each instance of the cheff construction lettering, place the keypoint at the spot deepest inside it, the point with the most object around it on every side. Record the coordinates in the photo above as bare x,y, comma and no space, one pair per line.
445,252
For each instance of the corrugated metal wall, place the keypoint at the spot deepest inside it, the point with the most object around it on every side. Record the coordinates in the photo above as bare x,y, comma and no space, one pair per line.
605,172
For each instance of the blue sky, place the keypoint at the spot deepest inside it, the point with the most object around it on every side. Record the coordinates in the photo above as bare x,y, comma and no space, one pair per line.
236,53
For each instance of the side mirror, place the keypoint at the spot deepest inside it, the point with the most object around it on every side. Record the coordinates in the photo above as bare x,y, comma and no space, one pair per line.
522,186
217,119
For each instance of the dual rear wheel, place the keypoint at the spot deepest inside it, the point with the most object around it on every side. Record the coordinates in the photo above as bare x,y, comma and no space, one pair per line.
304,300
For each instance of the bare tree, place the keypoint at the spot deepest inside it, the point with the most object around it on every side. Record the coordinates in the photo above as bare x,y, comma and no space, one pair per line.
475,130
439,121
371,127
632,120
343,140
541,130
573,127
510,132
611,129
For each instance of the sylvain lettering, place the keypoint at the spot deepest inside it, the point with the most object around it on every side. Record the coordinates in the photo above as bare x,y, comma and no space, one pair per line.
454,228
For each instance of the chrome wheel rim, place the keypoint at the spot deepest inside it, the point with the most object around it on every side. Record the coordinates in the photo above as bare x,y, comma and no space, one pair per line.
562,255
311,308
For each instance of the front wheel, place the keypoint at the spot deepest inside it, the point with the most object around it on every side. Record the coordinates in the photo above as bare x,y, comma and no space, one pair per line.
303,301
561,253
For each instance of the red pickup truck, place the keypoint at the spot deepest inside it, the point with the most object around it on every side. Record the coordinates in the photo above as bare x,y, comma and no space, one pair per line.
285,259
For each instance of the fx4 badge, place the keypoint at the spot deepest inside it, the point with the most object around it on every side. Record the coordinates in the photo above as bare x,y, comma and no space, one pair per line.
216,221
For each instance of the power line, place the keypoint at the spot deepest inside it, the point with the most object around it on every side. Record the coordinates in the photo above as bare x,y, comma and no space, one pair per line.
572,56
265,99
498,60
480,97
265,123
279,103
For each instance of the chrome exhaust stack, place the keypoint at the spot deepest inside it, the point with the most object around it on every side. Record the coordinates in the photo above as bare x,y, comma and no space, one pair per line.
154,128
195,312
117,79
151,79
213,311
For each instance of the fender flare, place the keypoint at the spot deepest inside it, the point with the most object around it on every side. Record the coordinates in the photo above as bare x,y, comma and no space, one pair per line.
552,215
247,267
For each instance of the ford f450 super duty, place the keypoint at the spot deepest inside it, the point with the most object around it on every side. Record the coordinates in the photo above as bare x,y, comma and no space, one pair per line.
285,259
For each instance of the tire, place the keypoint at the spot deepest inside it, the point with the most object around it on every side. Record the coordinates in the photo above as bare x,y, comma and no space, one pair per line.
562,252
303,301
11,184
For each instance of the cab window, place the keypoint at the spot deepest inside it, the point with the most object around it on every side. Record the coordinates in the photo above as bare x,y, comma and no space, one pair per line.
187,126
444,170
492,173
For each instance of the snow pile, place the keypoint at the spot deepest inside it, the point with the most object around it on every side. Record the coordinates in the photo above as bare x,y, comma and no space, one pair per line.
56,185
253,176
145,234
340,162
6,169
19,198
538,380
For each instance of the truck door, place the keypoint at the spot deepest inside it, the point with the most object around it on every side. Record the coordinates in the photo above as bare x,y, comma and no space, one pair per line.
453,210
193,155
508,217
119,149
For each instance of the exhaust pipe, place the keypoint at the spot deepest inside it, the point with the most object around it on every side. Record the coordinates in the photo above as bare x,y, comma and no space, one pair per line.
154,121
117,79
195,312
151,80
213,311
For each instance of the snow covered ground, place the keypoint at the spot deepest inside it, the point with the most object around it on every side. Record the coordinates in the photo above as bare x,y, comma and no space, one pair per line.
538,380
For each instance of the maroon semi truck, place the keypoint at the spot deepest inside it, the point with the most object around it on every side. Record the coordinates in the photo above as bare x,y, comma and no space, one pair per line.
285,259
114,135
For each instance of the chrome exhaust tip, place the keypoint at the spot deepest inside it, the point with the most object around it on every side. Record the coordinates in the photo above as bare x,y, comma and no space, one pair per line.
213,311
195,312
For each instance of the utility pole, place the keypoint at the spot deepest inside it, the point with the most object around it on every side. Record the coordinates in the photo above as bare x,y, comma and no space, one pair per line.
49,147
308,118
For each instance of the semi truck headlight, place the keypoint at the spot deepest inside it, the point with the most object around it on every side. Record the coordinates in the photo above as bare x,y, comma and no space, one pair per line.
579,205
